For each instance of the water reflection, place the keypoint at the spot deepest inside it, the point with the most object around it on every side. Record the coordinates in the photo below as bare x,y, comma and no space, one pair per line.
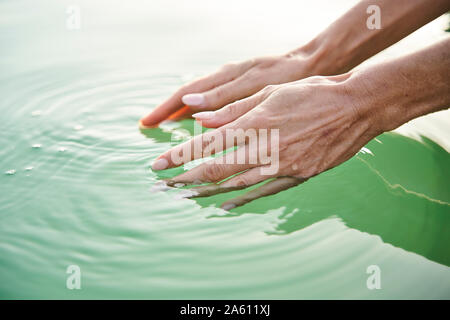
399,194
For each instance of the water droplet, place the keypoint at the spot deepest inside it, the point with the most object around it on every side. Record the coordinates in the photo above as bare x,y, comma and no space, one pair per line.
10,172
78,127
294,166
179,185
36,113
36,146
365,150
28,168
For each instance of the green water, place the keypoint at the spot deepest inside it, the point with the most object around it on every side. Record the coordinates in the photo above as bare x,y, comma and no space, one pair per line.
76,184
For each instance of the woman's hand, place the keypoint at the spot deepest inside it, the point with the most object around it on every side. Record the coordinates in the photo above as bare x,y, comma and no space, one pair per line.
320,125
320,121
342,46
232,82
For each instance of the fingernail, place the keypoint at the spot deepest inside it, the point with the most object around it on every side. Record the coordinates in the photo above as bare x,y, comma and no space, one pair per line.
228,206
144,126
204,115
175,184
194,99
160,164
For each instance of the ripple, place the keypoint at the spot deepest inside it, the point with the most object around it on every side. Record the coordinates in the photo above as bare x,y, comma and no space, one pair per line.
86,195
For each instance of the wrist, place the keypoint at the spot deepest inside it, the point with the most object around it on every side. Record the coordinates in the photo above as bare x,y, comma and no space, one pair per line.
366,96
326,55
393,93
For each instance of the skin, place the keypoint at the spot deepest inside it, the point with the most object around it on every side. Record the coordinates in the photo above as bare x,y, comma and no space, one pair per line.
343,45
322,120
320,131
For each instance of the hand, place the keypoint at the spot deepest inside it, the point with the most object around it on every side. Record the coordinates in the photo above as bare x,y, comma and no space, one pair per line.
232,82
342,46
322,122
320,126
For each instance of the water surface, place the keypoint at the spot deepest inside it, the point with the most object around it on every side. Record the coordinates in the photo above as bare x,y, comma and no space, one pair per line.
76,184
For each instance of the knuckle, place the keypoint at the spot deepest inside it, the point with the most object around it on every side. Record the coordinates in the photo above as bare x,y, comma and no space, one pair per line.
232,109
253,74
269,88
279,93
255,61
266,62
185,89
218,93
308,172
226,67
241,181
231,65
213,172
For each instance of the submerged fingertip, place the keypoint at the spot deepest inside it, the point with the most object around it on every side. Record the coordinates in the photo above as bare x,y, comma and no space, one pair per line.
160,164
228,206
147,125
179,185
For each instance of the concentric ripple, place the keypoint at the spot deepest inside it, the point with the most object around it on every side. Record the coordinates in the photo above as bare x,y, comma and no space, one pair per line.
76,190
76,186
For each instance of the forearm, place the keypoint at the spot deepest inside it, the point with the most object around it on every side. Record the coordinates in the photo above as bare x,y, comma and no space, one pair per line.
395,92
348,41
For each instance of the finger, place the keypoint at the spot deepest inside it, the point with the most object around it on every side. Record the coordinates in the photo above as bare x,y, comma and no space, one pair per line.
228,92
207,191
240,181
251,149
270,188
208,143
219,168
164,110
229,113
183,113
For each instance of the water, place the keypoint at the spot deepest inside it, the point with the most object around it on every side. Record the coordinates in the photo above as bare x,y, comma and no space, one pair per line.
77,188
